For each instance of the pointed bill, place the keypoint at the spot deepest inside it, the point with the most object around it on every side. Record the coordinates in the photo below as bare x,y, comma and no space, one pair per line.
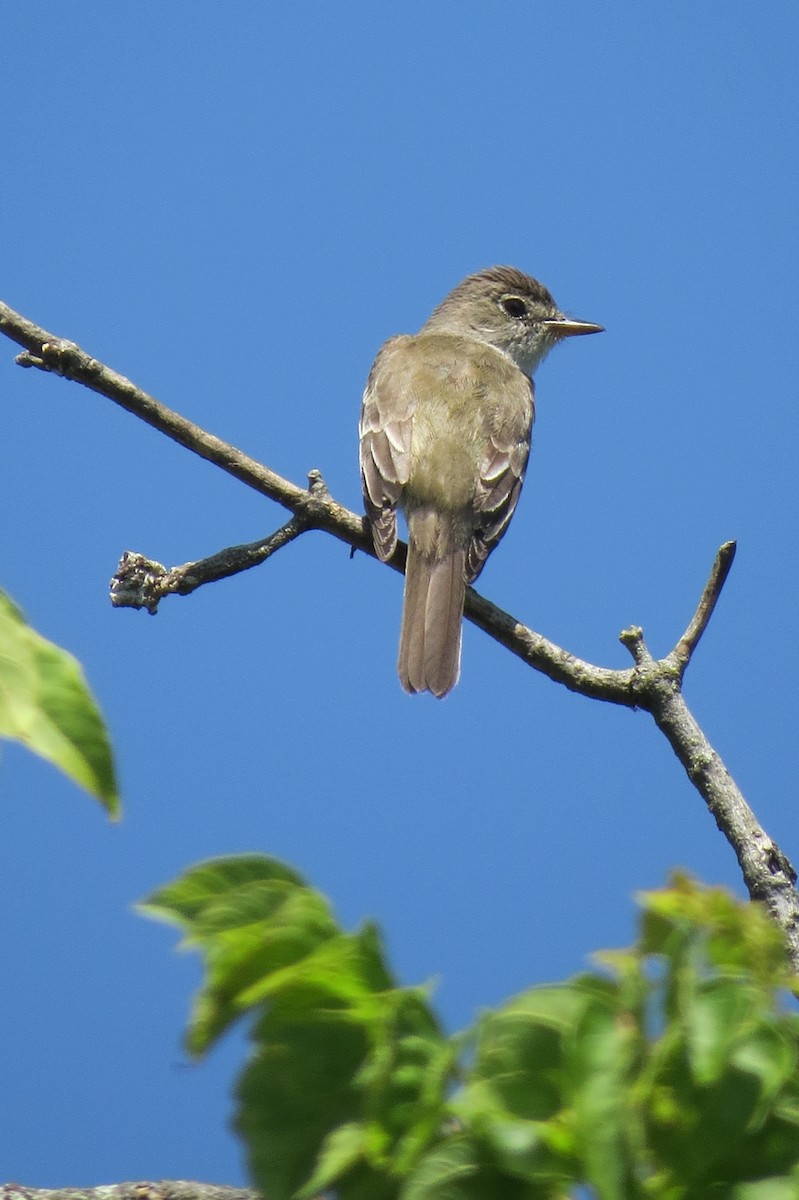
566,327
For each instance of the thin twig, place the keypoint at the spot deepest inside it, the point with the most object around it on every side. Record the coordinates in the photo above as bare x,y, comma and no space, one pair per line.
681,654
140,582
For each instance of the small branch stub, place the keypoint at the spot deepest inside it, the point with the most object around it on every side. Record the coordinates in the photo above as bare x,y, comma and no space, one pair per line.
138,582
633,639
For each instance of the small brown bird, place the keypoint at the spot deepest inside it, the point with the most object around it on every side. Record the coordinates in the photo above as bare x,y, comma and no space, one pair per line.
445,434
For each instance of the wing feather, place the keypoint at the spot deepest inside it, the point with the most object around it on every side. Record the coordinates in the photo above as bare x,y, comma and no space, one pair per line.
386,431
501,474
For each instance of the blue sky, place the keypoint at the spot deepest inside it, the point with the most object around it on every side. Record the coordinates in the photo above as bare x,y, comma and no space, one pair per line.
234,206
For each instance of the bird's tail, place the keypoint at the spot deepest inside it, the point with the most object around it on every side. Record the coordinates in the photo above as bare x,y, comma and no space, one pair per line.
430,641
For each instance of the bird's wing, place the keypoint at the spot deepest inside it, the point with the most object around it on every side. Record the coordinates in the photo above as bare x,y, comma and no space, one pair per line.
501,471
386,428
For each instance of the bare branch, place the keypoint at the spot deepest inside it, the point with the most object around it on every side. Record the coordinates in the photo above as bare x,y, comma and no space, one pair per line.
164,1189
140,582
50,353
767,872
681,654
651,684
597,683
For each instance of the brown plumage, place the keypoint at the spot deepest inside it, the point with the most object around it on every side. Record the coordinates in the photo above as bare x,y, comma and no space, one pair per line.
445,435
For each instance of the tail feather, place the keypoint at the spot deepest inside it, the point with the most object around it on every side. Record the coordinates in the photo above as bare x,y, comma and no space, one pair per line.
430,640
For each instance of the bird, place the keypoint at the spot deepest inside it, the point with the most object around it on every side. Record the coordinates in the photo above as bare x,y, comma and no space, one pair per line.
445,427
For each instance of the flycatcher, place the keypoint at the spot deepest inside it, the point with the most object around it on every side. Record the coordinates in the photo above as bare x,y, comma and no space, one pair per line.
445,434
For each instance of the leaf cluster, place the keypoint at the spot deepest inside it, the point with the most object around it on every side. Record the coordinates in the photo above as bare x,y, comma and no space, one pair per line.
671,1071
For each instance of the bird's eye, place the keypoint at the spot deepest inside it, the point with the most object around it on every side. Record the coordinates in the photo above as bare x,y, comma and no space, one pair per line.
514,306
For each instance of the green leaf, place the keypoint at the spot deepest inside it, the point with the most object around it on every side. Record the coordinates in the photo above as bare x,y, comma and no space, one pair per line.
783,1188
349,1075
538,1152
350,1094
461,1169
769,1052
713,1021
520,1052
406,1077
184,901
603,1060
674,1078
342,1149
297,1089
259,928
734,937
517,1099
46,704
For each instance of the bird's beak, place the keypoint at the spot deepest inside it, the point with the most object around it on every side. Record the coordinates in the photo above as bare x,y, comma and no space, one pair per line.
566,327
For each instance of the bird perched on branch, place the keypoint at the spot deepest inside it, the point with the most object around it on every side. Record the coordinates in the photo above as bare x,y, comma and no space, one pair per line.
445,434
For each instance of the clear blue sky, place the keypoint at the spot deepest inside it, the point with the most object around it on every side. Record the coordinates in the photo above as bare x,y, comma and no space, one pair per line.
235,205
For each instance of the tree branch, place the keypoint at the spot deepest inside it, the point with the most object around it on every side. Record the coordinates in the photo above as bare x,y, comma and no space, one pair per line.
61,357
140,582
768,874
651,684
681,654
164,1189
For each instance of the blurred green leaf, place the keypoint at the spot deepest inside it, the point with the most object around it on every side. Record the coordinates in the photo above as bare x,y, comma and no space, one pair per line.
184,901
733,937
784,1188
769,1052
604,1059
338,1081
459,1170
520,1052
259,928
46,704
515,1099
297,1089
672,1075
714,1020
341,1150
349,1073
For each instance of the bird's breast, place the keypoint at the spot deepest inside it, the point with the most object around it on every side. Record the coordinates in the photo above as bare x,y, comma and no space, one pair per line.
465,395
